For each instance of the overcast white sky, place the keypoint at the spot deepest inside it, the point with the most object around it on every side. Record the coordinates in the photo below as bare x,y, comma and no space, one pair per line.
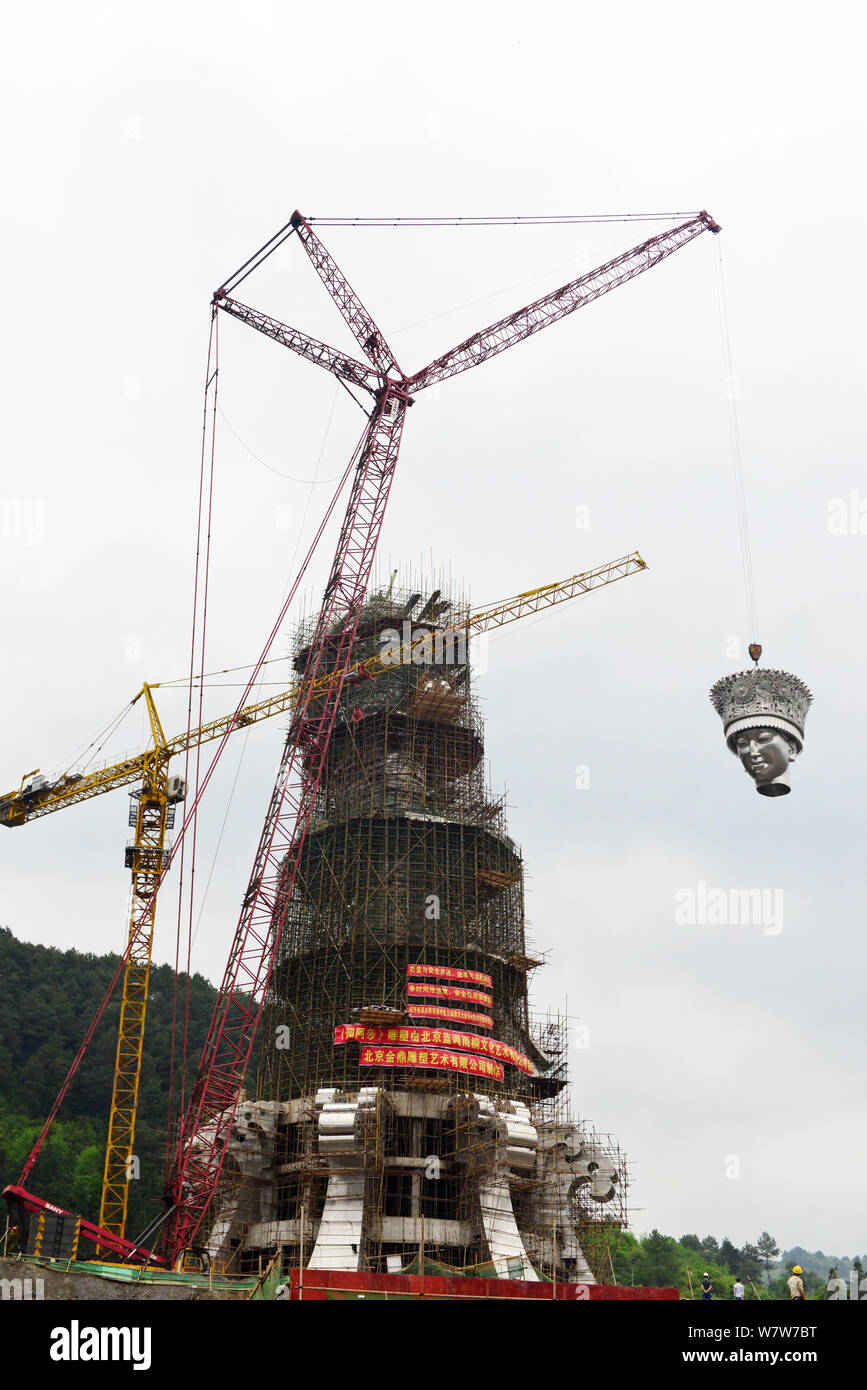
149,150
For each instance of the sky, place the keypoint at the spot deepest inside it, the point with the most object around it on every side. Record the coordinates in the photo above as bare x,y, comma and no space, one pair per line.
149,152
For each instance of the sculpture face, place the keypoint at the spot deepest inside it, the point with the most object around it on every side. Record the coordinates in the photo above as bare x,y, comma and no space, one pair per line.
765,753
763,715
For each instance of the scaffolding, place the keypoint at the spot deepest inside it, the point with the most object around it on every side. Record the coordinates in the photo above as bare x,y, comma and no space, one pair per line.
408,1111
598,1218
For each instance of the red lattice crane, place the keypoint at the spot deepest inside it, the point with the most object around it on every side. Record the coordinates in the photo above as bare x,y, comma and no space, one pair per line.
207,1121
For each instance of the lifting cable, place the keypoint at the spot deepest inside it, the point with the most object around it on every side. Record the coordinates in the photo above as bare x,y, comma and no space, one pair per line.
289,477
260,683
197,642
201,689
731,391
540,220
80,761
612,249
266,250
223,671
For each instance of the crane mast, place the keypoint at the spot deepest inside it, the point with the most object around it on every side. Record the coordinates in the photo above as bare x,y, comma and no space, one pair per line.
153,812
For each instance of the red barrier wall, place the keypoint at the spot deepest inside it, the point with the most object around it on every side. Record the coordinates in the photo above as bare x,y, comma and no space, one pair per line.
337,1284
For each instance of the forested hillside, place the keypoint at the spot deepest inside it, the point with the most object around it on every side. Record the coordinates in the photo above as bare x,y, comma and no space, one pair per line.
47,998
657,1259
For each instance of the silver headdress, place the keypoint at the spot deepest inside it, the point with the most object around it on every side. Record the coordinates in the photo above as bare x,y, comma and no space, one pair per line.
761,699
763,714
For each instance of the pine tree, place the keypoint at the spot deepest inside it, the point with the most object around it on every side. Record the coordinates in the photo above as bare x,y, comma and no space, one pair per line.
729,1255
768,1251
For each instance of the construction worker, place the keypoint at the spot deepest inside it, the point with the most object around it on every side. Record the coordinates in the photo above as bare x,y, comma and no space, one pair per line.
796,1283
706,1287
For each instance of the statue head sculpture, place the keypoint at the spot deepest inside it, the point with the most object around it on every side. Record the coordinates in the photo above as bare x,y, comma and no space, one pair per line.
763,714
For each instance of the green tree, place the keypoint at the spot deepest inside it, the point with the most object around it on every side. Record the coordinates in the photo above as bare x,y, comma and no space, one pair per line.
660,1261
768,1251
87,1178
729,1255
751,1265
814,1285
625,1249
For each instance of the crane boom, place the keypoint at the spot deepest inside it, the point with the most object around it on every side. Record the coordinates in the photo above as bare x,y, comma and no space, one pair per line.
339,363
560,591
361,325
506,332
70,790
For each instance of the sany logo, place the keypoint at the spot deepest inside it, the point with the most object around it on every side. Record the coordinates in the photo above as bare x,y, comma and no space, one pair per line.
76,1343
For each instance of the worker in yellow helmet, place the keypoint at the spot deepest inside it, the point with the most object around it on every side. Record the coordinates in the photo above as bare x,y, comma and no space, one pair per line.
796,1283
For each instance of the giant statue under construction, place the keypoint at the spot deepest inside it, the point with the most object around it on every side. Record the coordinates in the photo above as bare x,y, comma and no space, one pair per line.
406,1106
408,1109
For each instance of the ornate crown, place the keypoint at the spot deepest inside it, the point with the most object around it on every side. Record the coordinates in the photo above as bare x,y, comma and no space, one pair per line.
761,699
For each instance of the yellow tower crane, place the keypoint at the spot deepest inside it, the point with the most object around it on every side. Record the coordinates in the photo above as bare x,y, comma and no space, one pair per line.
155,799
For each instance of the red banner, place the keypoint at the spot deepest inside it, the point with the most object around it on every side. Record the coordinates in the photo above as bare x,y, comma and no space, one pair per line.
431,1058
451,972
433,1038
472,996
453,1015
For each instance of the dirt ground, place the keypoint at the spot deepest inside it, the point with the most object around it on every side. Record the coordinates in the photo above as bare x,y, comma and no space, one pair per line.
64,1286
